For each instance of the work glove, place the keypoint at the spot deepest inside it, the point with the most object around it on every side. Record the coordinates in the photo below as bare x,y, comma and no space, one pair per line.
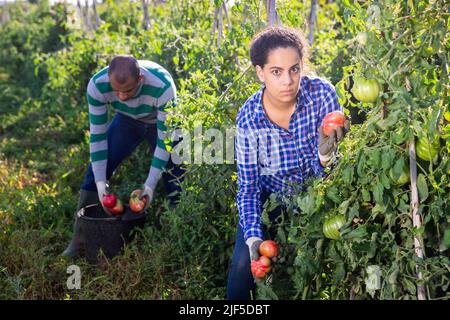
253,247
101,190
147,192
328,144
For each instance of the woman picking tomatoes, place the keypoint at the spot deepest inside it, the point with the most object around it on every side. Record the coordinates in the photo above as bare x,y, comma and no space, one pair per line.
280,140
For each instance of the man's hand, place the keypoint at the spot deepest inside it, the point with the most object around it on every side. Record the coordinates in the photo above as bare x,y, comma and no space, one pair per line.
101,190
253,247
147,192
328,144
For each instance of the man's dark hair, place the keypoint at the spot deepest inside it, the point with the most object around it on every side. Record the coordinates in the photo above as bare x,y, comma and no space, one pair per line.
277,37
123,67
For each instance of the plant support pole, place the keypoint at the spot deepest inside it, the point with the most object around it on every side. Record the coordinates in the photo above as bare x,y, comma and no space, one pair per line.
146,19
417,223
88,15
312,19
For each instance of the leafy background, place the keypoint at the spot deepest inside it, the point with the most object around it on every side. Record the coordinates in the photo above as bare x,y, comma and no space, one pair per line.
47,57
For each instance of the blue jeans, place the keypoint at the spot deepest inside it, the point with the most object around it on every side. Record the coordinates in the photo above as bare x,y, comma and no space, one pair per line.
124,135
240,279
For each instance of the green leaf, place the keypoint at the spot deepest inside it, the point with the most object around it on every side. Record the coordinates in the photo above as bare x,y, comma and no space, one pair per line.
398,167
354,211
333,194
447,238
366,195
378,193
358,233
391,120
361,163
344,206
373,245
339,273
409,286
387,159
374,158
422,187
385,181
432,124
307,203
347,175
392,279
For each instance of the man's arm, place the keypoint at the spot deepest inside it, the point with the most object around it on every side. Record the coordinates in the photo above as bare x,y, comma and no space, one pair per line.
98,142
161,155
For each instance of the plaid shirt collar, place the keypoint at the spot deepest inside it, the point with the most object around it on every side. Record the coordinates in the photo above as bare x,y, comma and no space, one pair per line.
303,100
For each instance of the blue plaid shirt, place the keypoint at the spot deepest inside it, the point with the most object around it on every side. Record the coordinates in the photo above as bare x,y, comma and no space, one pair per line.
273,159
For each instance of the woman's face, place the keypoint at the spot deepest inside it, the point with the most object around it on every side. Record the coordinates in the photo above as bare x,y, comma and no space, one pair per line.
281,74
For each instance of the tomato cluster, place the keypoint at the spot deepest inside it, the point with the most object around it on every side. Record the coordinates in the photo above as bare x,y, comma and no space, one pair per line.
114,204
261,267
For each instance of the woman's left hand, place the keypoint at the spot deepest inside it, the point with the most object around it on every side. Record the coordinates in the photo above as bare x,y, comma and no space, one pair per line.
328,144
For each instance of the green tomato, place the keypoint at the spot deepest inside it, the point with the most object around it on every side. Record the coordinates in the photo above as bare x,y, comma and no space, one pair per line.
425,150
366,90
402,179
332,225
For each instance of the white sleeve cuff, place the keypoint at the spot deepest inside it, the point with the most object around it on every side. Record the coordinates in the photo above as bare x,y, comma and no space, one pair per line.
325,158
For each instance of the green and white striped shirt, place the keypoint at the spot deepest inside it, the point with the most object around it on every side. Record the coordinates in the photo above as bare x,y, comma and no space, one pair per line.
149,105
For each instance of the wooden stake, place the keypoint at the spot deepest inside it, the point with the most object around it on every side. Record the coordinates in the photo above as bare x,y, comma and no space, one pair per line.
417,223
312,19
146,20
88,15
96,16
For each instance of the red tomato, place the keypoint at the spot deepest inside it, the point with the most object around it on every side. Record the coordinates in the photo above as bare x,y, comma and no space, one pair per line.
118,208
136,204
260,267
332,121
109,200
268,248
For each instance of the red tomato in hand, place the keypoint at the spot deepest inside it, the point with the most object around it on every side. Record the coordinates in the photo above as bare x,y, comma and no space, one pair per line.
268,248
109,200
118,208
260,267
332,121
136,204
